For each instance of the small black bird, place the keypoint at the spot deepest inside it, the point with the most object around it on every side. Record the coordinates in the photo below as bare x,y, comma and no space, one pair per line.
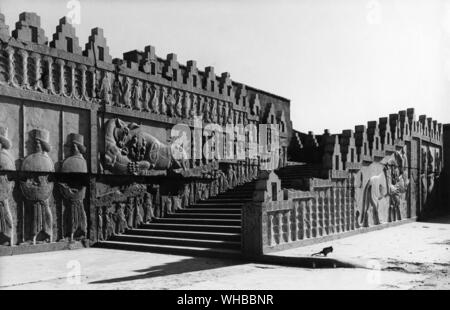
324,252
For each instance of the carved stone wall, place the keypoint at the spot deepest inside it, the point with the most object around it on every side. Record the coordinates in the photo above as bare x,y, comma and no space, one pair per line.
87,151
389,172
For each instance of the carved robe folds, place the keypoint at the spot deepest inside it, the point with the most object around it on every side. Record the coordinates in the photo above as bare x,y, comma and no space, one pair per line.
73,193
37,189
6,164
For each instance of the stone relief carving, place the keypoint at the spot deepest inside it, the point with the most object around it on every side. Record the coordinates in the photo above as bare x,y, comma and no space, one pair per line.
105,91
6,164
187,105
73,194
37,189
128,149
163,106
136,95
392,183
126,93
178,109
154,105
147,97
55,76
122,208
149,215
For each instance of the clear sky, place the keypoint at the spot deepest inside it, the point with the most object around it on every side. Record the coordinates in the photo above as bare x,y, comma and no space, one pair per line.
341,63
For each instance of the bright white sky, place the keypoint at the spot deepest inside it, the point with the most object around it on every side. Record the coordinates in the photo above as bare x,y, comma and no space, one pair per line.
342,63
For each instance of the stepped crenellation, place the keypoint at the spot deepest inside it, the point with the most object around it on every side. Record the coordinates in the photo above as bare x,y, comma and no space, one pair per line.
134,63
28,29
4,29
371,142
66,32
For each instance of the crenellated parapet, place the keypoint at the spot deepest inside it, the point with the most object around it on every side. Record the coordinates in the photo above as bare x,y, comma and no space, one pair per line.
368,144
386,135
140,85
4,29
28,29
65,38
332,158
348,150
373,137
388,171
96,48
362,144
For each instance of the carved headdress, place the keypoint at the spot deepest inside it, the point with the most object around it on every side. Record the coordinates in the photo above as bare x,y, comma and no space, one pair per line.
6,143
43,136
78,140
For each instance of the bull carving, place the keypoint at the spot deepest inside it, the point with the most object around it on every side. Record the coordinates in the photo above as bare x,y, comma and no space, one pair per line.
130,150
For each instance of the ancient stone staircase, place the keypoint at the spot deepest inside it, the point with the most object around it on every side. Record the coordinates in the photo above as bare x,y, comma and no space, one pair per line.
210,227
292,176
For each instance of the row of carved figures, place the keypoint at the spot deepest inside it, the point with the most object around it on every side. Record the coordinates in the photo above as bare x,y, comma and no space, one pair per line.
37,189
118,216
33,71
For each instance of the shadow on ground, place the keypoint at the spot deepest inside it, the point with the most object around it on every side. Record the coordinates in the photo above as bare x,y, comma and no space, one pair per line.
178,267
437,220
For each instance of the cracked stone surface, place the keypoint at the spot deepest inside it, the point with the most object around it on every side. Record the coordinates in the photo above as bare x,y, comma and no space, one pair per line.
410,256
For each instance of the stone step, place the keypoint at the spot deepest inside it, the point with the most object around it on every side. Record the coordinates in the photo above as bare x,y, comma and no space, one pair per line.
213,205
207,209
204,221
193,227
191,234
178,241
182,214
171,249
224,200
211,227
247,195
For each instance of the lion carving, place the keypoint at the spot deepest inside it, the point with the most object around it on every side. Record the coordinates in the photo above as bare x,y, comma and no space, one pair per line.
130,150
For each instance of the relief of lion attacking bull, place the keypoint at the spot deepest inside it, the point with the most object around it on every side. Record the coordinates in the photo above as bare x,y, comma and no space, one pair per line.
130,150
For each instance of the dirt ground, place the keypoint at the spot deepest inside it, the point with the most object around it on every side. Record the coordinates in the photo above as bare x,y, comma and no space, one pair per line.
409,256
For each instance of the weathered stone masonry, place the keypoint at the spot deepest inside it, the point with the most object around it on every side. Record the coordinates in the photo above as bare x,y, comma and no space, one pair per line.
86,151
384,173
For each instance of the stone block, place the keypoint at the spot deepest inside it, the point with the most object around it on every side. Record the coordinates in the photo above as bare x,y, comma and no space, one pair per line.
96,47
4,29
28,29
65,38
